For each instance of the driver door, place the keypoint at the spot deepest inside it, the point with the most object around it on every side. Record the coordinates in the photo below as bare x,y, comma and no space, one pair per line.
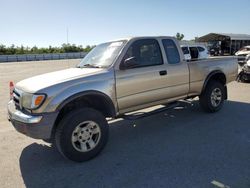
144,82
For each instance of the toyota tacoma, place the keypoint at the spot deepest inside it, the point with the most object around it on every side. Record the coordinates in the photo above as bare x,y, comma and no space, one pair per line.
71,107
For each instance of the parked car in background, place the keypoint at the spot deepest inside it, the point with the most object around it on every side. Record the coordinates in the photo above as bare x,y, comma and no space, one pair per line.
194,52
244,74
242,55
214,51
214,48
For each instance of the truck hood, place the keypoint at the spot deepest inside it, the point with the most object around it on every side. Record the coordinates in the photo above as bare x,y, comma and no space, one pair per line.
242,53
36,83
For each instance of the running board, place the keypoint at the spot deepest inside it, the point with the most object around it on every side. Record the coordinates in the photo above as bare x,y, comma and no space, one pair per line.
138,115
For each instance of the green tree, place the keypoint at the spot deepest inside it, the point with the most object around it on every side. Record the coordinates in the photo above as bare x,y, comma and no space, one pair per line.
12,50
3,50
65,48
20,50
179,36
34,50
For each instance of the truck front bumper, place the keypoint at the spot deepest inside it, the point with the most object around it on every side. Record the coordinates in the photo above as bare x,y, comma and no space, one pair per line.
35,126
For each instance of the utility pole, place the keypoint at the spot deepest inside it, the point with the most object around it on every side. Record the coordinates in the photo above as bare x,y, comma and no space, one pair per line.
67,35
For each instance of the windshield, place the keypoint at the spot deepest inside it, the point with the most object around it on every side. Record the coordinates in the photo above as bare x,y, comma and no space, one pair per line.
102,55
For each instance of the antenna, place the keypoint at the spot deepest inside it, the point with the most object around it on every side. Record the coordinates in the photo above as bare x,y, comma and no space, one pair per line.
67,35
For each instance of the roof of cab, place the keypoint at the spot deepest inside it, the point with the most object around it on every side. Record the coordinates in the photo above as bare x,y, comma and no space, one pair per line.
141,37
192,45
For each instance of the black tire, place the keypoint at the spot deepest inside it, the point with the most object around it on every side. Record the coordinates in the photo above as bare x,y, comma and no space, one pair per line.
64,133
240,77
205,98
244,78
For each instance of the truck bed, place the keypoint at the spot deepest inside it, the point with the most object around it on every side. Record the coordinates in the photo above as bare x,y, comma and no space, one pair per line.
200,69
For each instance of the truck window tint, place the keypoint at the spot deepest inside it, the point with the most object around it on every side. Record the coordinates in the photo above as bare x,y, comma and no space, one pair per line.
146,51
171,51
200,49
185,50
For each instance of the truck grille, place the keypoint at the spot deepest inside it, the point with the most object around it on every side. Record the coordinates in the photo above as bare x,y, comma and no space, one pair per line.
16,97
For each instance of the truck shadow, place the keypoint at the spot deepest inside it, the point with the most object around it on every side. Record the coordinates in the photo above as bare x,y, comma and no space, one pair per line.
182,147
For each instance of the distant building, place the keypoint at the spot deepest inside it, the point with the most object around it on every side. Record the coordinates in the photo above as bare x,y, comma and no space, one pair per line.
225,43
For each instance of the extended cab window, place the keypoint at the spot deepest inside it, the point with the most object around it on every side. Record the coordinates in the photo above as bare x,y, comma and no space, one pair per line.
171,51
146,52
194,52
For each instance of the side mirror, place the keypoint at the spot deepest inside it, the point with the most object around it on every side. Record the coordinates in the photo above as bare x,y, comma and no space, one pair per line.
128,63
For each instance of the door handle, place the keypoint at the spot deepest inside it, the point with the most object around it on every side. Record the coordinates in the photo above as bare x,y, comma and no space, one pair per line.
163,72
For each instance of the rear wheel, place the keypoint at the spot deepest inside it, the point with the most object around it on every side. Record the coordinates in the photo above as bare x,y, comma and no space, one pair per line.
82,134
212,98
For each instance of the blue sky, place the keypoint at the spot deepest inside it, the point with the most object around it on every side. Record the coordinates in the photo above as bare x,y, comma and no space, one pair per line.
45,22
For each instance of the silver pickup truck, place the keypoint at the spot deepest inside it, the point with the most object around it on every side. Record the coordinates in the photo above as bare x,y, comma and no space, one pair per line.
71,107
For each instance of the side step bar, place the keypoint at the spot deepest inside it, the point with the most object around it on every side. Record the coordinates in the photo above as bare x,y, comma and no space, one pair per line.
137,115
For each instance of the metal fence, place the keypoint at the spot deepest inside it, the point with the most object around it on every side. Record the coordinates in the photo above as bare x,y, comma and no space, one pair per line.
41,57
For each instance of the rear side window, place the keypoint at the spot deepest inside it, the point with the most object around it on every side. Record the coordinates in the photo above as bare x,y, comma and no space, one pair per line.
185,50
171,51
146,51
201,49
194,52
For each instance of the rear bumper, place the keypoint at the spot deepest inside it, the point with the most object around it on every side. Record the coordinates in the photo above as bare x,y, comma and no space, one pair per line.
35,126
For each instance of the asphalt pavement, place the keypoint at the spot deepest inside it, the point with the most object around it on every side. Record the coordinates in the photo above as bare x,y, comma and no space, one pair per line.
182,147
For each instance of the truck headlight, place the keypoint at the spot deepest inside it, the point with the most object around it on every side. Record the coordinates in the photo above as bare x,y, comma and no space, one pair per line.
32,101
248,63
247,57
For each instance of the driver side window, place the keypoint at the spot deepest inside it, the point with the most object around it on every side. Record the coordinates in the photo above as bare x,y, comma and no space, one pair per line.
146,52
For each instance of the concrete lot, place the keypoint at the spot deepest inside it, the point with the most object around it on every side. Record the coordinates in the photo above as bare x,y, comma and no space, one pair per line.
179,148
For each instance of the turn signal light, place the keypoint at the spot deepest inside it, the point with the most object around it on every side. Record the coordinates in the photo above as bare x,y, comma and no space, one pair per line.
38,100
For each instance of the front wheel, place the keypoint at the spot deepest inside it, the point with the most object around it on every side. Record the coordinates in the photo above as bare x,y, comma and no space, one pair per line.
212,98
82,134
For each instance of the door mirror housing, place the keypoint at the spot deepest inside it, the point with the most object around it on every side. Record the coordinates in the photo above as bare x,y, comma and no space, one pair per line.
128,63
